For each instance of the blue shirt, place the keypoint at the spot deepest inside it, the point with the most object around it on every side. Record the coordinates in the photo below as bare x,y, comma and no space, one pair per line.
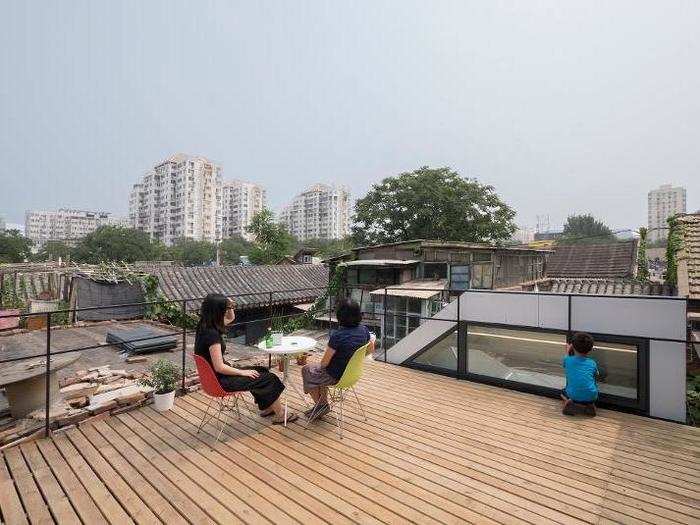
581,378
345,341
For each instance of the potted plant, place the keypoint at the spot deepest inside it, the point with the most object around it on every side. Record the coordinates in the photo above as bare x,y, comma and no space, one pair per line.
163,378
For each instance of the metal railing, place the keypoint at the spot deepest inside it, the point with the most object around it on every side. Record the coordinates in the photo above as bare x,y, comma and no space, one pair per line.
271,302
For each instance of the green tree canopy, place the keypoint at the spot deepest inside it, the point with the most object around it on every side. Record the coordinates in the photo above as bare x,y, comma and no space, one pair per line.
191,252
231,249
272,240
52,250
327,248
432,203
114,243
14,247
642,260
586,229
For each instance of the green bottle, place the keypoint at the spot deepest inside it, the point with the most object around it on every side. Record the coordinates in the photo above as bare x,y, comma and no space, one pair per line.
268,338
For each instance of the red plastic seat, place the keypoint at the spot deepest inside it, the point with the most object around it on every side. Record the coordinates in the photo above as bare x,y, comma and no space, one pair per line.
210,385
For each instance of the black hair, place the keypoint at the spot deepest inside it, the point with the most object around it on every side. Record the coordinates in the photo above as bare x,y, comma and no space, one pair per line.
212,312
348,313
582,342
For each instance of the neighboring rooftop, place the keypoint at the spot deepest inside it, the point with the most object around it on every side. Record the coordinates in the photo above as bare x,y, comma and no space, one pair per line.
423,456
689,256
594,261
258,281
598,286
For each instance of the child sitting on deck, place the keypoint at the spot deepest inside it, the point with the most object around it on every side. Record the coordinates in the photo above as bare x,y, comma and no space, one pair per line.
581,391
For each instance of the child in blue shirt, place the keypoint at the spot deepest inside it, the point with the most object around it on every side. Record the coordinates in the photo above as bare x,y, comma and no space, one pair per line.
581,391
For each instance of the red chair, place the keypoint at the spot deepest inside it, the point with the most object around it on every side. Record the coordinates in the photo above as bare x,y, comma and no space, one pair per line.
226,401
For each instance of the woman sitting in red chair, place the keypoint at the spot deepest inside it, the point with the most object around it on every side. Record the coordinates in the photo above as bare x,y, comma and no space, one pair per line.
266,388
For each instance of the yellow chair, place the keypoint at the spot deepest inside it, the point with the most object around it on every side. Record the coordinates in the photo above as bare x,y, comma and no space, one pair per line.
347,382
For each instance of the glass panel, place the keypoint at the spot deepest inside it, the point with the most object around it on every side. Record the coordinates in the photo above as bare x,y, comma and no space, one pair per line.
352,276
535,358
435,271
442,354
617,365
414,305
459,277
516,355
482,256
368,276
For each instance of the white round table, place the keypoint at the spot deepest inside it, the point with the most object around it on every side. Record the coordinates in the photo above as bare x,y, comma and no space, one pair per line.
291,345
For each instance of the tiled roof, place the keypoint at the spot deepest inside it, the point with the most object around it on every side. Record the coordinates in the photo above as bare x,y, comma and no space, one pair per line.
689,256
604,287
598,261
258,281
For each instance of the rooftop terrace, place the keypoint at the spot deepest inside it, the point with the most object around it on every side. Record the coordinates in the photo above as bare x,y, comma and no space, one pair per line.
434,450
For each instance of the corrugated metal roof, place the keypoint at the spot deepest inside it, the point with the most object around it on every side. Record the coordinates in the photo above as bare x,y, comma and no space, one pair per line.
256,281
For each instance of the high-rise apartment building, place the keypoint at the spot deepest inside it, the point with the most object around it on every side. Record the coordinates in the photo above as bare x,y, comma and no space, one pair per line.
240,202
65,225
180,197
320,212
664,202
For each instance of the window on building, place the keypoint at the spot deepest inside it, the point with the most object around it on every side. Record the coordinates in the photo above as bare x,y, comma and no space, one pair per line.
434,270
459,277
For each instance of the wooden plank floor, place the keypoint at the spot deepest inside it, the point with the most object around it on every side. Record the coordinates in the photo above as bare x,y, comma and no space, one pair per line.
432,450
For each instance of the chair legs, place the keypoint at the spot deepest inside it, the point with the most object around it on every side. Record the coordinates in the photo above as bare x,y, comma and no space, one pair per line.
336,399
220,407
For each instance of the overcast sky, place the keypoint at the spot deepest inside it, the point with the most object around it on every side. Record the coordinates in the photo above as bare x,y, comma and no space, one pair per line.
562,106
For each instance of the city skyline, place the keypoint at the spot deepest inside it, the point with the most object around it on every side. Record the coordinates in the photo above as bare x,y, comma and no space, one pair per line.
572,100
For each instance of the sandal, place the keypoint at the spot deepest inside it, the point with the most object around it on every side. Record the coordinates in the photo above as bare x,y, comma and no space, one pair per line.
291,417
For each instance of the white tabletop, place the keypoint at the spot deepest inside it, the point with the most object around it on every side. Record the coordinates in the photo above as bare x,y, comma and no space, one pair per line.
292,344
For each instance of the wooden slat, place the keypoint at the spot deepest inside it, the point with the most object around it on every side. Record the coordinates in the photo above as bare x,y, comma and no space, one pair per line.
433,450
224,471
58,502
79,497
169,490
289,477
34,504
105,487
422,426
11,510
213,486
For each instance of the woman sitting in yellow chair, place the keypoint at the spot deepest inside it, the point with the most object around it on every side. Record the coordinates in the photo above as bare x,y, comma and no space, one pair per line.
342,345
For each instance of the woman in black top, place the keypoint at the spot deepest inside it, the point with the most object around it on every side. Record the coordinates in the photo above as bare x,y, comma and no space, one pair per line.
266,388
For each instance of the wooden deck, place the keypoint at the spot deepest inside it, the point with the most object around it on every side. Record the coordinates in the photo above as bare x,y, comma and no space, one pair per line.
434,450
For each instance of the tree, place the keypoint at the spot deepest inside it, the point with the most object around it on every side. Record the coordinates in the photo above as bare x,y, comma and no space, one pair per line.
272,240
327,248
191,252
14,247
114,243
431,204
53,250
642,261
232,248
585,229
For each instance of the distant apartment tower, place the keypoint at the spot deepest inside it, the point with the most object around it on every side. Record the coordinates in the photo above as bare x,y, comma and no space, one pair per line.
240,202
65,225
320,212
180,197
664,202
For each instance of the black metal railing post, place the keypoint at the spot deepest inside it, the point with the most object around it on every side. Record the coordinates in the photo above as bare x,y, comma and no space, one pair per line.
183,320
47,379
271,313
568,327
384,348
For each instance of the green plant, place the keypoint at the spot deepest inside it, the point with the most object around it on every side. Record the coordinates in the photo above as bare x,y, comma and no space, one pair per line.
673,246
161,309
163,377
335,286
